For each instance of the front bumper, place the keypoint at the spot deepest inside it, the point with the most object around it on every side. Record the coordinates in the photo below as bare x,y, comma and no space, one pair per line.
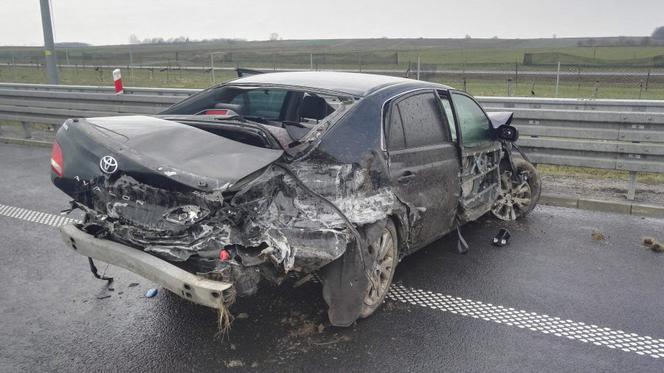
187,285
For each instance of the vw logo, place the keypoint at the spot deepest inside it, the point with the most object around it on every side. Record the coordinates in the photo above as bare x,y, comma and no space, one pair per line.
108,164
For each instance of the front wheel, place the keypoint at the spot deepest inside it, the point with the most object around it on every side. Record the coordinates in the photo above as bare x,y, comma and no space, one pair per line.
518,197
384,256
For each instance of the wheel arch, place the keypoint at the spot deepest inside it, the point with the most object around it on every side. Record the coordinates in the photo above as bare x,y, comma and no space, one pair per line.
401,229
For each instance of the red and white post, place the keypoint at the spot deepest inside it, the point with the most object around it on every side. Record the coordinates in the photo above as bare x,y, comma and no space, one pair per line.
117,79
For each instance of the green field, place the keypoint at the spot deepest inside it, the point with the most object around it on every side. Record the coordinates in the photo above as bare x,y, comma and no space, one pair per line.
618,55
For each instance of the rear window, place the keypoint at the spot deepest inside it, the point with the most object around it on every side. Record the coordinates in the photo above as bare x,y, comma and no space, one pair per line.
265,103
262,104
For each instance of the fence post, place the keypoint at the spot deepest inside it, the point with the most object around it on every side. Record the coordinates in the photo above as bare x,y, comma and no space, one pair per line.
418,67
14,66
557,79
212,67
131,64
516,76
647,80
596,89
631,191
27,129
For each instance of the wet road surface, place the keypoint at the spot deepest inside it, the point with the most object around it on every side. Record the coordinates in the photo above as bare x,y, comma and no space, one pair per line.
553,300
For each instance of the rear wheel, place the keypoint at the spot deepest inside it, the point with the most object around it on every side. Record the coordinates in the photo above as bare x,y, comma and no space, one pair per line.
517,198
383,256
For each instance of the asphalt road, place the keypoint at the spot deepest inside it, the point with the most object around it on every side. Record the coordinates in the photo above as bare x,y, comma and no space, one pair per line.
553,300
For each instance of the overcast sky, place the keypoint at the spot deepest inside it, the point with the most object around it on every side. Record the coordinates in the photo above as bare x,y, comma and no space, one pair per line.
111,22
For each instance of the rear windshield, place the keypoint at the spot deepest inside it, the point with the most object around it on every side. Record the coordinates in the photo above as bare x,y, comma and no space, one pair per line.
267,103
261,104
288,115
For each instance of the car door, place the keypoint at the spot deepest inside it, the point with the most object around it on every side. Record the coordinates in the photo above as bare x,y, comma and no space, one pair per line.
480,156
423,164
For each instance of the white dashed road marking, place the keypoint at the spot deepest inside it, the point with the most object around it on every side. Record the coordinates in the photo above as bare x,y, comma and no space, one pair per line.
614,339
35,216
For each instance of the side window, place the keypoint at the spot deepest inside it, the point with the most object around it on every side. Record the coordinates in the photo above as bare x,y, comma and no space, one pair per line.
422,119
473,123
265,103
395,136
450,116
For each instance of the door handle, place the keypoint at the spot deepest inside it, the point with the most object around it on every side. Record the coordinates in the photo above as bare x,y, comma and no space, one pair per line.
406,177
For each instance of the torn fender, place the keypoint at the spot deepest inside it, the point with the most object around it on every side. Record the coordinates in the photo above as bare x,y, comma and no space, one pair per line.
342,278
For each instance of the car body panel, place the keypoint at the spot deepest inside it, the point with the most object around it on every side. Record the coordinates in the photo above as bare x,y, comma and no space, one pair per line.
148,145
309,206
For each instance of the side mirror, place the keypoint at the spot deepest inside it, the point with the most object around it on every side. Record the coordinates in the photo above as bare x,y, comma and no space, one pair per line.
507,133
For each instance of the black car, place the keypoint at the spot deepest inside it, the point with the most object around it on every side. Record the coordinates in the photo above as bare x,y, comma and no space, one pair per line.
305,174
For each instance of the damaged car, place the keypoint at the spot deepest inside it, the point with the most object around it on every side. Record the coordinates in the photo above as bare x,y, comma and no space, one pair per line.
335,176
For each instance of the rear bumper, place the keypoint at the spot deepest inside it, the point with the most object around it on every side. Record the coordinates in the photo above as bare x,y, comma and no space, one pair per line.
187,285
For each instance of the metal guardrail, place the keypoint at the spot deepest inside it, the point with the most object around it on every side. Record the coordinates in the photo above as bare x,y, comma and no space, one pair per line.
653,106
608,134
487,101
614,140
52,104
181,92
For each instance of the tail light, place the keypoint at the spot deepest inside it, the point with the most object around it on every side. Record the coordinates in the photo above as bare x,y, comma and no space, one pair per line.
57,162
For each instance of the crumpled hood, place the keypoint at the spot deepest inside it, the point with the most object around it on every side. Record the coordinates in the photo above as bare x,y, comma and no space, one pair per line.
180,152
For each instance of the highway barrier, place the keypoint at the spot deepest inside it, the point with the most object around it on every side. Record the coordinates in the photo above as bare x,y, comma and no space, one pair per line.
607,134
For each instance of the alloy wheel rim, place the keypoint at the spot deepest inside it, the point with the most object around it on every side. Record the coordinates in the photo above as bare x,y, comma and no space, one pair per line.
514,198
380,276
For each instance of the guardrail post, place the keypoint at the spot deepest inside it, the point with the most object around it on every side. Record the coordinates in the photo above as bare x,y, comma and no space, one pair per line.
631,191
27,129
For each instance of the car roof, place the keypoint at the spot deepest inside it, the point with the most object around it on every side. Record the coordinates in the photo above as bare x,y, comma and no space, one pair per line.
356,84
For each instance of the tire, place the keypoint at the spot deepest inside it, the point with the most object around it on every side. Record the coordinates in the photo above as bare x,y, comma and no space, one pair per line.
516,201
384,256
